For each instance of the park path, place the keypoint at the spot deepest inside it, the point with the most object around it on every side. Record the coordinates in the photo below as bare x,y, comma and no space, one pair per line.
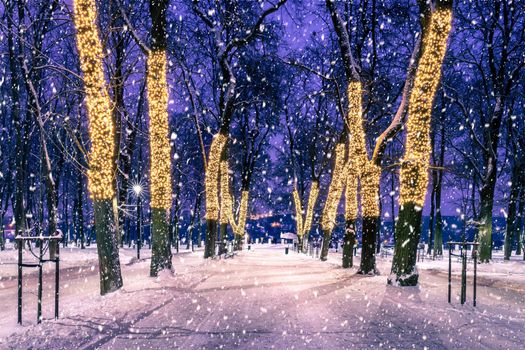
264,299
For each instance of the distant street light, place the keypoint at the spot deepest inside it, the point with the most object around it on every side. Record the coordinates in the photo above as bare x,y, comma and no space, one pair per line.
137,189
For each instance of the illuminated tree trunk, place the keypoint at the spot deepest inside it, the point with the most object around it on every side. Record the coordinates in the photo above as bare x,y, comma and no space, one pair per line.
102,169
369,175
160,152
334,196
304,227
212,195
414,170
226,202
355,118
312,199
298,219
241,222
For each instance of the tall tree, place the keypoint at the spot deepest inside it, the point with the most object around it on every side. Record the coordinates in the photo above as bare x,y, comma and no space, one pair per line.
415,164
368,168
102,168
224,47
160,150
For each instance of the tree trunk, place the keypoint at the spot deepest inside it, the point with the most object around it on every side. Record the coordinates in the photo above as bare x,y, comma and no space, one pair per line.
223,238
101,168
438,235
438,230
408,232
211,236
432,215
327,237
370,179
485,218
368,258
415,167
198,227
521,223
161,249
2,231
512,228
20,138
108,258
238,242
160,149
348,245
212,193
335,191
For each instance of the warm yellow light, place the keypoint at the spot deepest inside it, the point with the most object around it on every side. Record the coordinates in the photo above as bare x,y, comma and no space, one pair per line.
212,176
243,212
359,155
351,192
226,200
160,168
312,198
298,212
370,178
101,125
304,227
335,190
414,171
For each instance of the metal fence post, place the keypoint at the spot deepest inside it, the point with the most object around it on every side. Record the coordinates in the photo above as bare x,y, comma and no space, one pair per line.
57,282
19,243
475,254
449,272
39,306
463,275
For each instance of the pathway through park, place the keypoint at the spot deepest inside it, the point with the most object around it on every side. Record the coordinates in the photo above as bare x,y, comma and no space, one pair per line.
264,299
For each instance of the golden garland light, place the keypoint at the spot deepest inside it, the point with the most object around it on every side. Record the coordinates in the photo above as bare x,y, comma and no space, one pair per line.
335,190
355,125
298,212
370,190
363,168
101,124
212,176
414,171
160,173
351,189
312,198
243,212
226,200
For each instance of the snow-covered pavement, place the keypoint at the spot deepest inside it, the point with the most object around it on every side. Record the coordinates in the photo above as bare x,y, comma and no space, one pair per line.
262,299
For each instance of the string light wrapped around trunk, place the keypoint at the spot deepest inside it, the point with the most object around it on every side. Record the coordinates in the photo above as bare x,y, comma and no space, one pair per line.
160,173
226,200
101,124
369,190
212,176
351,193
414,172
355,125
312,198
335,190
298,212
414,169
243,213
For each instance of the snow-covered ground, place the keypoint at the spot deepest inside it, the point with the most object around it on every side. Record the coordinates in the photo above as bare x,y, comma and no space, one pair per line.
263,298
